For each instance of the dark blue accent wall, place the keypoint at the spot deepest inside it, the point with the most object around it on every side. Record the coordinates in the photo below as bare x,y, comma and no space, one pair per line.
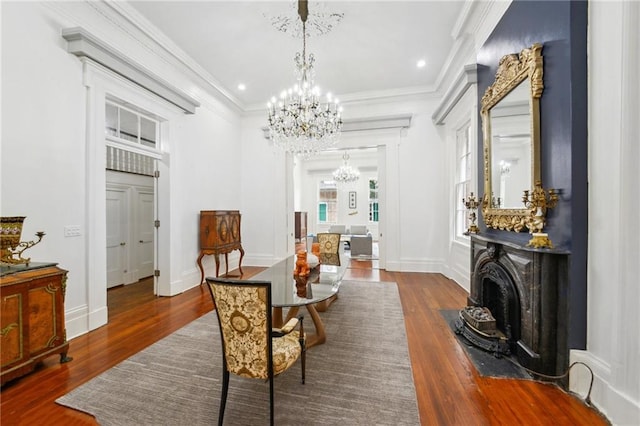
561,27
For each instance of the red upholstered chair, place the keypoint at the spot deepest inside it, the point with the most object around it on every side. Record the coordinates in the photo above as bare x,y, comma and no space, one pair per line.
251,347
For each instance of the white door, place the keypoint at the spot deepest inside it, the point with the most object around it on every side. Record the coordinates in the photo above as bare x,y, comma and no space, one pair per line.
145,230
117,250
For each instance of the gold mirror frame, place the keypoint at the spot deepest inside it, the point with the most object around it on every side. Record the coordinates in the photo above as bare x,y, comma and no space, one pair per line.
513,69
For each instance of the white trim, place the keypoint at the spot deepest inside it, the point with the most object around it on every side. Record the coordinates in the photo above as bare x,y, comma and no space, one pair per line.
468,77
132,147
101,84
83,44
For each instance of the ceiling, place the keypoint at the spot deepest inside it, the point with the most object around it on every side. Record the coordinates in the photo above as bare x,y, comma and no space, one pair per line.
372,51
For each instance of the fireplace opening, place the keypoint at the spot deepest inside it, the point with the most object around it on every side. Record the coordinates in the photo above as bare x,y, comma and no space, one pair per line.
500,296
494,323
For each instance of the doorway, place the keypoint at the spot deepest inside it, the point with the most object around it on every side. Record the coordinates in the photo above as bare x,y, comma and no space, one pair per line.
130,230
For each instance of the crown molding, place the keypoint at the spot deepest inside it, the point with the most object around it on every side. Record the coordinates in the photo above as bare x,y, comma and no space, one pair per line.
370,96
468,77
134,18
83,44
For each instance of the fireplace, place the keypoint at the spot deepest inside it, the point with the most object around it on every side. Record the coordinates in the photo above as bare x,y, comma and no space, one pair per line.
523,289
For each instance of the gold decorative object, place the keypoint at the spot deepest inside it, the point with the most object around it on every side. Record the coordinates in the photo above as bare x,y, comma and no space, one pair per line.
538,201
471,203
516,73
11,248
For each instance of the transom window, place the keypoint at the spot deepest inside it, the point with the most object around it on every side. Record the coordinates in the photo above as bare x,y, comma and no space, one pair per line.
130,126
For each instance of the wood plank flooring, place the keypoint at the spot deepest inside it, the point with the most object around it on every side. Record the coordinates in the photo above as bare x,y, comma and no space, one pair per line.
449,391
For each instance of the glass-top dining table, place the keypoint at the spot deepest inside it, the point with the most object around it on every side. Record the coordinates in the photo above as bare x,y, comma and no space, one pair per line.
315,292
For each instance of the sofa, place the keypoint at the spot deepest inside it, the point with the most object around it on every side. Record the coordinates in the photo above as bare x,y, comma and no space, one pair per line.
346,234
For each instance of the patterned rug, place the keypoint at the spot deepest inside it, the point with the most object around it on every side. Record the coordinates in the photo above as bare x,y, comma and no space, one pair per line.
360,376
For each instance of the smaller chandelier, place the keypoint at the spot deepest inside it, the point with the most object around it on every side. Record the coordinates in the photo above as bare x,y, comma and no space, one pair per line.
346,173
298,122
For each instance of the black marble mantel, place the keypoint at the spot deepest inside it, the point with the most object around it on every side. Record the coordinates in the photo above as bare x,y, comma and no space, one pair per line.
533,308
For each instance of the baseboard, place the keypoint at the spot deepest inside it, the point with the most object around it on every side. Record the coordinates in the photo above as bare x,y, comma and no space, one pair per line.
618,407
260,260
416,265
79,321
461,278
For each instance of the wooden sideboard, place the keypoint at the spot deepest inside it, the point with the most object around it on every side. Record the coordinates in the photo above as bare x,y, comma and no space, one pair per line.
32,324
219,234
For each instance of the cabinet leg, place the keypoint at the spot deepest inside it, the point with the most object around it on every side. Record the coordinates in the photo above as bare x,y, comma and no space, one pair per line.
201,268
240,263
217,257
64,358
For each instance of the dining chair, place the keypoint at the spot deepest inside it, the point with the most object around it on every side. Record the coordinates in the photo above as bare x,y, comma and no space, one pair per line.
250,346
329,242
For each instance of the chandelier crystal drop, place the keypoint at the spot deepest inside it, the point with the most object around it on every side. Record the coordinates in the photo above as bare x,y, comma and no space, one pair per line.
346,173
299,122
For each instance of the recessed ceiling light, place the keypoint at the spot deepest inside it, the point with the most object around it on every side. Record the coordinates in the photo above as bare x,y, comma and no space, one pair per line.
241,86
421,63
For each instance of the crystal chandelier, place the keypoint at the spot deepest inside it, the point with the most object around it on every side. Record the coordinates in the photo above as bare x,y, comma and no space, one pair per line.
298,122
346,173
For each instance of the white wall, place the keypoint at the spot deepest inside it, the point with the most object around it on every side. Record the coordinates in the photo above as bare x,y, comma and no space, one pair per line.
43,155
613,335
416,191
321,167
45,171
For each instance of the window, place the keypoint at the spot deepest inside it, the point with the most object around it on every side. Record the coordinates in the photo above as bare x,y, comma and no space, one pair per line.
328,202
130,139
123,124
463,178
373,200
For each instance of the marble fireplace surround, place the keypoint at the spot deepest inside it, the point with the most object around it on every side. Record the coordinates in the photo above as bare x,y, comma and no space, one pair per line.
525,289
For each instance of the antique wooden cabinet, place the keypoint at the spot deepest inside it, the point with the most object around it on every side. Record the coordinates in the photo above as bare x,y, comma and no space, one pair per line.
32,317
300,226
219,234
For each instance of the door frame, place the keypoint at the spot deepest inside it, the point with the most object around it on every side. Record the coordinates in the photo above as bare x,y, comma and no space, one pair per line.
102,84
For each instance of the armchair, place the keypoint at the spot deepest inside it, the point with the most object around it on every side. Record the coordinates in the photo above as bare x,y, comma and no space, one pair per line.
250,346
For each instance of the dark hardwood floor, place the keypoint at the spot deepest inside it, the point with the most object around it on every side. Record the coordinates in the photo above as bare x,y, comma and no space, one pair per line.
449,391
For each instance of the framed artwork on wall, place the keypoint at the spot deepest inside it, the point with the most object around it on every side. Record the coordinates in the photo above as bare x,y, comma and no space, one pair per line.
352,199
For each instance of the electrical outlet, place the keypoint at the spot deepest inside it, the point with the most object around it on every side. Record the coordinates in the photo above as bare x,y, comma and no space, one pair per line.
72,231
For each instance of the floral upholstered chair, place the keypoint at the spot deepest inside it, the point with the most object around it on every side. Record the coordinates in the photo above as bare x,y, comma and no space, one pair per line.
251,347
329,242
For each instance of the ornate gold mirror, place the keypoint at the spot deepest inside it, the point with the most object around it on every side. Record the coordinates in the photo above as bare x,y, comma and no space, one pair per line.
511,120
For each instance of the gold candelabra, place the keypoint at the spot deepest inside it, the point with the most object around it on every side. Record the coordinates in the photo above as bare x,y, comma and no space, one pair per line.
538,201
471,203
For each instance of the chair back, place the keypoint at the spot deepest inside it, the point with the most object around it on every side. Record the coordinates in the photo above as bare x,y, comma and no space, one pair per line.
243,309
329,242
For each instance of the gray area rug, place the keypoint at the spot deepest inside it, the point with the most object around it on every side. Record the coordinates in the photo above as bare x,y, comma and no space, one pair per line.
360,376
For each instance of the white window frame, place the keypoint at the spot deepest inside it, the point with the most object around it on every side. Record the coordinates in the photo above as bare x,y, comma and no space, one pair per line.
330,219
463,179
127,145
374,200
